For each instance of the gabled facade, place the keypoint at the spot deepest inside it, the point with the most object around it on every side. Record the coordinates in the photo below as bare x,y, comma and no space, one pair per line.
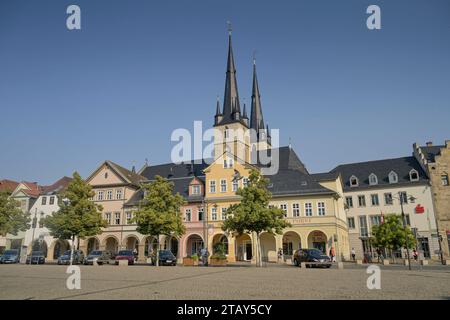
113,186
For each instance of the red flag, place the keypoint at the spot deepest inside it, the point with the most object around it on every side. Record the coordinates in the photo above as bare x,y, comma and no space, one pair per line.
382,217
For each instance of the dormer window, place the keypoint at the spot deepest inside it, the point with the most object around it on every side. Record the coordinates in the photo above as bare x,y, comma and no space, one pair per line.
196,189
413,175
354,181
373,179
393,177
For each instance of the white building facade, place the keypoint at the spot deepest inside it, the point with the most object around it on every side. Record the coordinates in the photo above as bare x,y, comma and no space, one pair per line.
373,189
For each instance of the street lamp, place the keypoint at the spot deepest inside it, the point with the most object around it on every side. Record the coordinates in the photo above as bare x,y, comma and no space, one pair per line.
66,202
402,197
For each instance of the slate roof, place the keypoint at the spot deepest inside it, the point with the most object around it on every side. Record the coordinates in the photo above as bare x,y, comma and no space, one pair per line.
128,175
381,168
430,152
56,187
291,179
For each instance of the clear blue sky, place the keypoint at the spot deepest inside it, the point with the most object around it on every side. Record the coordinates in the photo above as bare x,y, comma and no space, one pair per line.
139,69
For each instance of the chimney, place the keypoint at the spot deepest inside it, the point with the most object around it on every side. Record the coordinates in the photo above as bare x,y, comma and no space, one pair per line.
429,144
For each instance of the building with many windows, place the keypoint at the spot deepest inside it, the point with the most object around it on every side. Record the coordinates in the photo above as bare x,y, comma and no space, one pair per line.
373,189
435,161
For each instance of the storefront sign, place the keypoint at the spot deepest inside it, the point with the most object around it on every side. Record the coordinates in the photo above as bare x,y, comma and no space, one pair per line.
420,209
300,220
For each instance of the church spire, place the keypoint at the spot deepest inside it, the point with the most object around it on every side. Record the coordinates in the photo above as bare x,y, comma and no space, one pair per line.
231,105
256,116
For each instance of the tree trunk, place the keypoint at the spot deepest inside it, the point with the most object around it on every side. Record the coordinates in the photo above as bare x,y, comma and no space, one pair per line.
72,249
258,251
157,250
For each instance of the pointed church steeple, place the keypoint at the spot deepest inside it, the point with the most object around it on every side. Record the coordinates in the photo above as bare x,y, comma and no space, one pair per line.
256,115
231,105
218,116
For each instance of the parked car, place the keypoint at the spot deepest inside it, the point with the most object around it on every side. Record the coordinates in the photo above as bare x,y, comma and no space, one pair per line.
10,256
312,258
166,258
36,257
100,256
78,257
125,255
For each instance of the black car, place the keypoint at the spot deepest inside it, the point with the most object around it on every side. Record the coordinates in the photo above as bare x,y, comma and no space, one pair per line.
99,256
166,258
78,257
312,258
10,256
36,257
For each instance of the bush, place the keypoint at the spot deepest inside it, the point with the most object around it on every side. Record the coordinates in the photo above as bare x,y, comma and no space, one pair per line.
194,257
219,256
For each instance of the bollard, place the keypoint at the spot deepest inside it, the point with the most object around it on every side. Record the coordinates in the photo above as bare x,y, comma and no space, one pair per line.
405,262
447,262
424,262
123,263
385,262
303,265
359,261
340,265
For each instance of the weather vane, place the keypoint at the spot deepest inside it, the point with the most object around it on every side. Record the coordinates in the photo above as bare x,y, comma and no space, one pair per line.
229,27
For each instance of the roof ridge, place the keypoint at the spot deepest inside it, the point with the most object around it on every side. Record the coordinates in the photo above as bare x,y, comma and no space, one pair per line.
369,161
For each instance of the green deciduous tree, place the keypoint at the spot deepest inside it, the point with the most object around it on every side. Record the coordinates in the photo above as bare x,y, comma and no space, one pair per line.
78,216
391,234
12,218
159,211
253,214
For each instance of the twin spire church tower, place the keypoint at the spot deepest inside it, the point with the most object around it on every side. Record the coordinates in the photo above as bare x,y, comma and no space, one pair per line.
231,118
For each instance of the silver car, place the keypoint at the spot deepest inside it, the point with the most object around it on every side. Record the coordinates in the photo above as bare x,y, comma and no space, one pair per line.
99,256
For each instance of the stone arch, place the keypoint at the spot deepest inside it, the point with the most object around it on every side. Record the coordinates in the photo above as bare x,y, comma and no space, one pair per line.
220,238
244,247
150,243
92,244
57,248
268,247
172,243
318,239
131,242
292,241
111,243
193,244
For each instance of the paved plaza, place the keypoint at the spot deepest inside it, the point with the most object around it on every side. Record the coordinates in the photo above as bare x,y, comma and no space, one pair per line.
232,282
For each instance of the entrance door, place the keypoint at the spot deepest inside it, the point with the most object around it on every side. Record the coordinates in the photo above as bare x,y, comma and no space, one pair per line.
248,251
424,246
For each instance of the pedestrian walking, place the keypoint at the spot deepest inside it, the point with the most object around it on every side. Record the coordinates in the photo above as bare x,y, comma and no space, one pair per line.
353,254
415,254
280,254
332,254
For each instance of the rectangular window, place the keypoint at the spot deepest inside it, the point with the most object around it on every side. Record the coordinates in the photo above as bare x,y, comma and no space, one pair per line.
362,201
41,220
351,223
212,186
117,217
363,231
224,213
388,198
129,217
108,217
23,205
375,220
52,200
408,222
349,201
321,208
404,197
100,196
235,185
444,180
196,189
118,194
285,210
188,214
375,200
245,182
308,209
223,185
109,195
295,210
200,214
44,200
213,213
